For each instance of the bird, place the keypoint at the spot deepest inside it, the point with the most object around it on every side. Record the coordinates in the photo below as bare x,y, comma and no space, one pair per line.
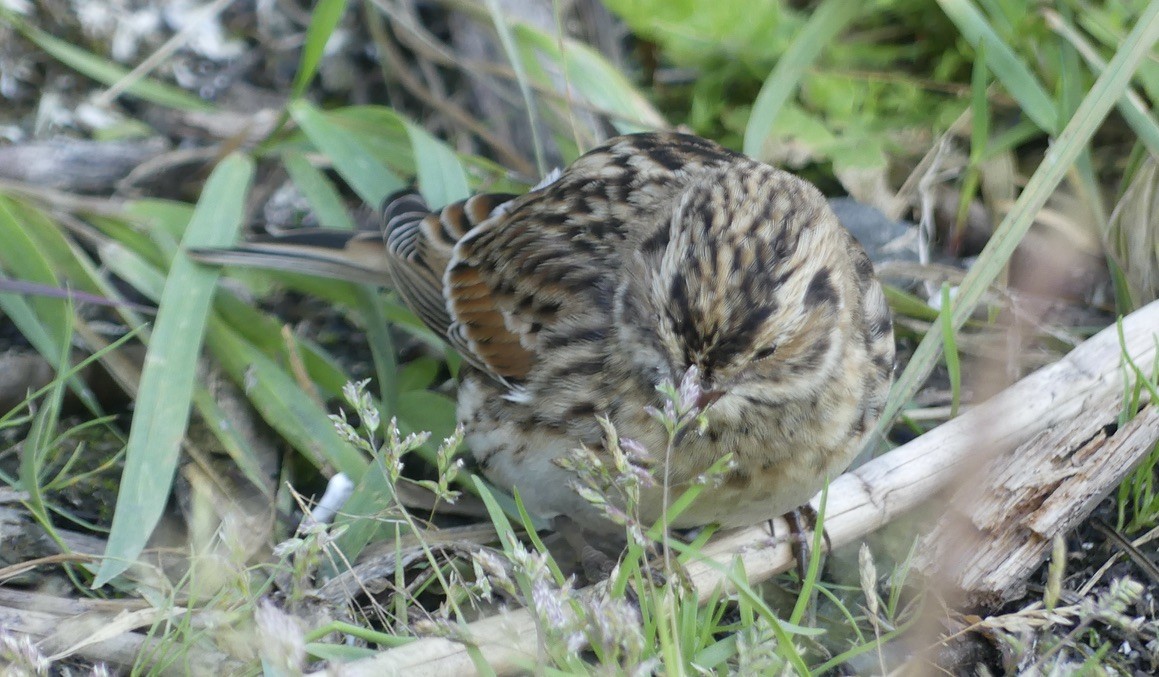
650,257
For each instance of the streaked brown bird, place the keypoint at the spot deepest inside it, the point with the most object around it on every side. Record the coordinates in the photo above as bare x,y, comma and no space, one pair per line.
649,255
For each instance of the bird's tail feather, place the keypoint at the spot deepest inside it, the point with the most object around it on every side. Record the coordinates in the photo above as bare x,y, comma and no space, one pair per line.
356,256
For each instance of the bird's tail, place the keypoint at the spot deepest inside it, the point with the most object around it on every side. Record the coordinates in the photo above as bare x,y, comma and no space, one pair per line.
354,255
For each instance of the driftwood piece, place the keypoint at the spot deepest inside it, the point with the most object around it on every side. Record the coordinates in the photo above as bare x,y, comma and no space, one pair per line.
1000,530
860,501
66,626
92,167
51,620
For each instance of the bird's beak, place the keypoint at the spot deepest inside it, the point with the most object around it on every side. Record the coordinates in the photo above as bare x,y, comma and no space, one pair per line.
708,398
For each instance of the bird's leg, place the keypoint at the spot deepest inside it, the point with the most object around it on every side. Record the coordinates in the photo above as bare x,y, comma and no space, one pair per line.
802,524
595,564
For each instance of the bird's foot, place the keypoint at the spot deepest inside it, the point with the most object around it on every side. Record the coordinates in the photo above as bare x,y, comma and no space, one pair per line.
802,525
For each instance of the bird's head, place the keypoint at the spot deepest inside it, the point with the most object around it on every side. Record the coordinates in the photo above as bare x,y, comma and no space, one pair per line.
751,283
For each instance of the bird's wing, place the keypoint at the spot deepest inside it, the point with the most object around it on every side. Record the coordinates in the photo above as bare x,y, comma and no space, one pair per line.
548,263
409,253
419,247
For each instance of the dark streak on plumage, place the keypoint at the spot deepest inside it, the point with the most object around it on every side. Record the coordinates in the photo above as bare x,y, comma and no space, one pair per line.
881,326
556,340
812,359
577,368
864,267
820,289
656,242
580,410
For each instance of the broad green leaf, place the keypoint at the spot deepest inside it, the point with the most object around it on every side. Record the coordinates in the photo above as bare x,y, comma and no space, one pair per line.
382,133
371,179
71,263
596,81
440,174
45,321
318,190
425,410
19,310
32,251
691,32
418,374
167,382
264,333
134,269
281,402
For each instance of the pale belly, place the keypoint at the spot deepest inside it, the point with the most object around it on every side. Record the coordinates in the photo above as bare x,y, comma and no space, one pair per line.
764,483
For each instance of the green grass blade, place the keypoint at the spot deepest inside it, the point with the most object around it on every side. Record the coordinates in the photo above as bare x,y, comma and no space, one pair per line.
1057,162
507,40
371,179
167,382
441,177
323,20
381,350
1021,84
38,444
318,191
979,106
953,364
233,442
283,404
1069,91
104,71
813,567
503,528
826,22
1132,107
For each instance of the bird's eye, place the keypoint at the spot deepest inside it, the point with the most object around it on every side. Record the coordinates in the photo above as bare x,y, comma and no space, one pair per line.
765,352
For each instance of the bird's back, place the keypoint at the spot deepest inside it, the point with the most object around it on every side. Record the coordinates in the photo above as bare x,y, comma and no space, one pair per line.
539,269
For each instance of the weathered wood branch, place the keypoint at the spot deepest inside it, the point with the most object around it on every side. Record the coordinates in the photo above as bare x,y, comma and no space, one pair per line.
92,167
860,501
66,625
996,533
